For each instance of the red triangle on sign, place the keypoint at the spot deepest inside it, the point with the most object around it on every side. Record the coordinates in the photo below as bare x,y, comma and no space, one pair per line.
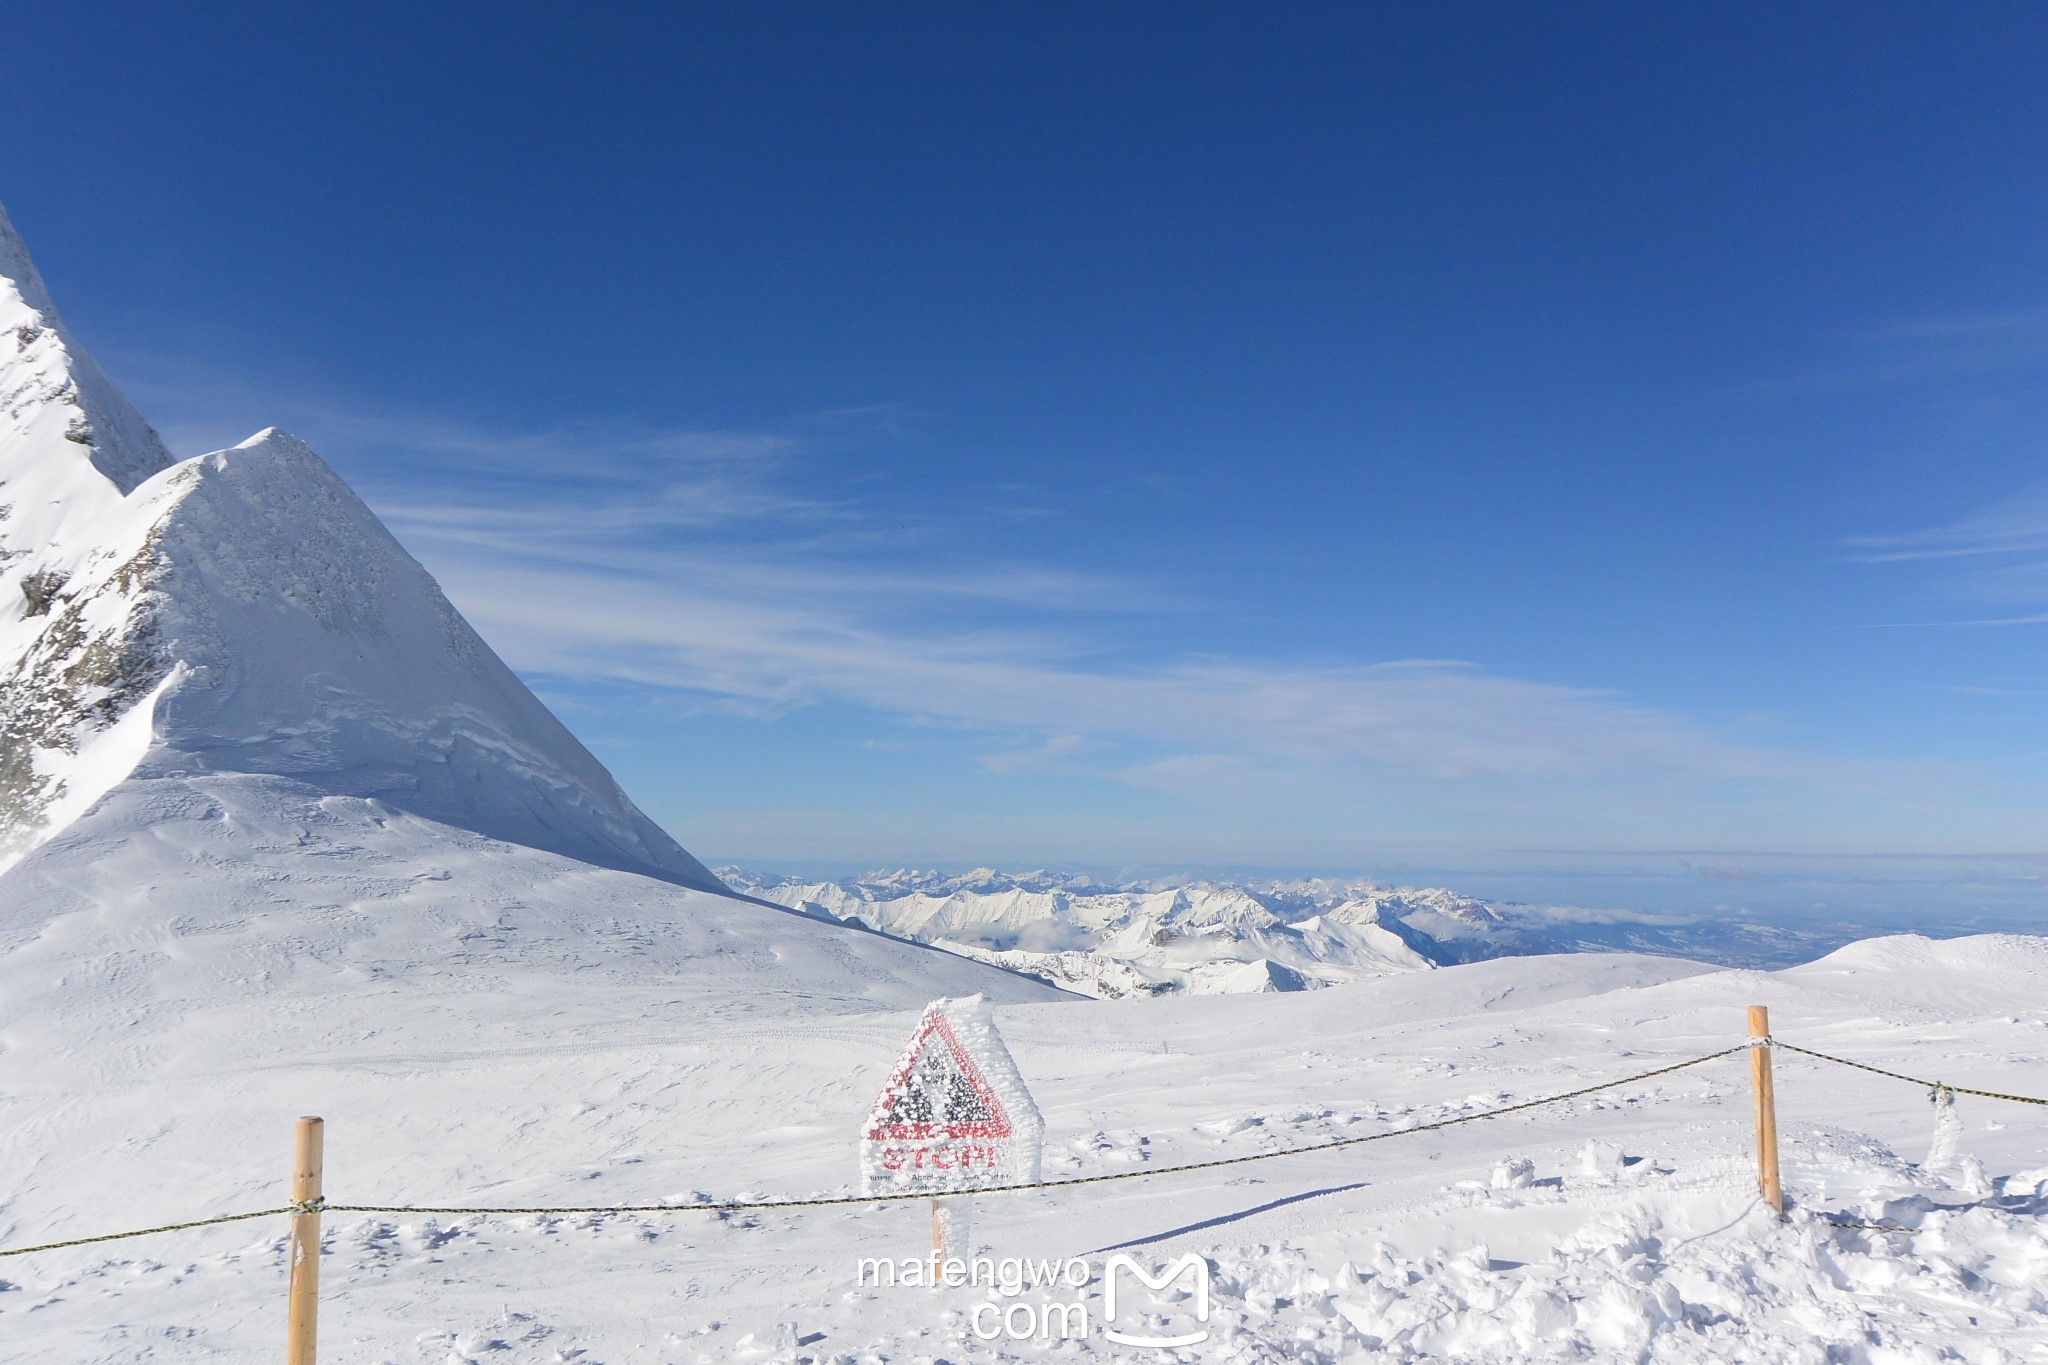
937,1091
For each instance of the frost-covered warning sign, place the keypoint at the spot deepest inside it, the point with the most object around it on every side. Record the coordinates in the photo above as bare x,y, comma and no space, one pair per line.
955,1114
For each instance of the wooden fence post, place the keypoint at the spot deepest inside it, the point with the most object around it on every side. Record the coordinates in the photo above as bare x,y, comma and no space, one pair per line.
303,1328
1766,1109
949,1234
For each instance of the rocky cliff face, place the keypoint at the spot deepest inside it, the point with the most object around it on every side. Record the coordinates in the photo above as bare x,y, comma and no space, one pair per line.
77,647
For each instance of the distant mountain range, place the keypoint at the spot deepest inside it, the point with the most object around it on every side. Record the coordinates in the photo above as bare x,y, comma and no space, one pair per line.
1200,937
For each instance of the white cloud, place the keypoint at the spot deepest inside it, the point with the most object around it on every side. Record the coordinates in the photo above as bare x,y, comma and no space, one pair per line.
698,562
1997,558
745,636
2019,528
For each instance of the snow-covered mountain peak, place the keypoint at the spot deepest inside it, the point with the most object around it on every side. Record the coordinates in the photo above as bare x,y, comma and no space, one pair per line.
19,271
245,612
1131,938
61,420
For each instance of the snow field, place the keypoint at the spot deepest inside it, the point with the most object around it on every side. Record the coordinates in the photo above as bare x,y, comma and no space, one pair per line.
1620,1226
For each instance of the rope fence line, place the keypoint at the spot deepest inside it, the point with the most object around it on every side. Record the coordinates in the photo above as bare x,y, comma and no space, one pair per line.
840,1201
1760,1044
1910,1080
148,1232
765,1205
1139,1173
1868,1227
1936,1086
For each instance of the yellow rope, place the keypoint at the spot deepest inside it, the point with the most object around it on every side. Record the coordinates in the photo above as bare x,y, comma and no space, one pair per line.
1912,1080
145,1232
743,1206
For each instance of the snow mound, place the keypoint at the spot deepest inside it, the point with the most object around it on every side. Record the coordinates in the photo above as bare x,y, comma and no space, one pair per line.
259,902
1914,954
1946,975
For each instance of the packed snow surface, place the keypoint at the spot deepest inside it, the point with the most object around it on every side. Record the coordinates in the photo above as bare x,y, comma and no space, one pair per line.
462,1067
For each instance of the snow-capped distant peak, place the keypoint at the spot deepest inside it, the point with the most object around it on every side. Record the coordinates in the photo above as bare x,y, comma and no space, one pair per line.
1199,936
1132,938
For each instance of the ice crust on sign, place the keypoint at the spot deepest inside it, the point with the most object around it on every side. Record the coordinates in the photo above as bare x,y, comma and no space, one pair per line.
955,1113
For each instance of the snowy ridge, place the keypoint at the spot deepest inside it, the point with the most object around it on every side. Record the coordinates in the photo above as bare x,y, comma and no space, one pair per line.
1202,937
51,392
314,647
74,647
245,612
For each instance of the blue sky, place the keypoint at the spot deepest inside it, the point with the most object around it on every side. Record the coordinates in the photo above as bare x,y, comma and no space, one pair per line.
1590,452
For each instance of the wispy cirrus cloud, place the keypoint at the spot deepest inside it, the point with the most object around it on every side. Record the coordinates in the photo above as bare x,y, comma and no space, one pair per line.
2019,528
1985,372
1971,357
1991,365
705,564
1998,557
784,635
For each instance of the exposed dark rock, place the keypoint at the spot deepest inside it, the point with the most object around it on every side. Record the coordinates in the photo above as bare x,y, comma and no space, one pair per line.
39,590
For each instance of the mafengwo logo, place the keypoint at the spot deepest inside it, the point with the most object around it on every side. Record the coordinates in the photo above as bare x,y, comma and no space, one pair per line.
1190,1264
1130,1294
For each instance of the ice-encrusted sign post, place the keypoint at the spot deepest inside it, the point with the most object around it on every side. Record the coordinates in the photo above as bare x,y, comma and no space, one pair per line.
954,1116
